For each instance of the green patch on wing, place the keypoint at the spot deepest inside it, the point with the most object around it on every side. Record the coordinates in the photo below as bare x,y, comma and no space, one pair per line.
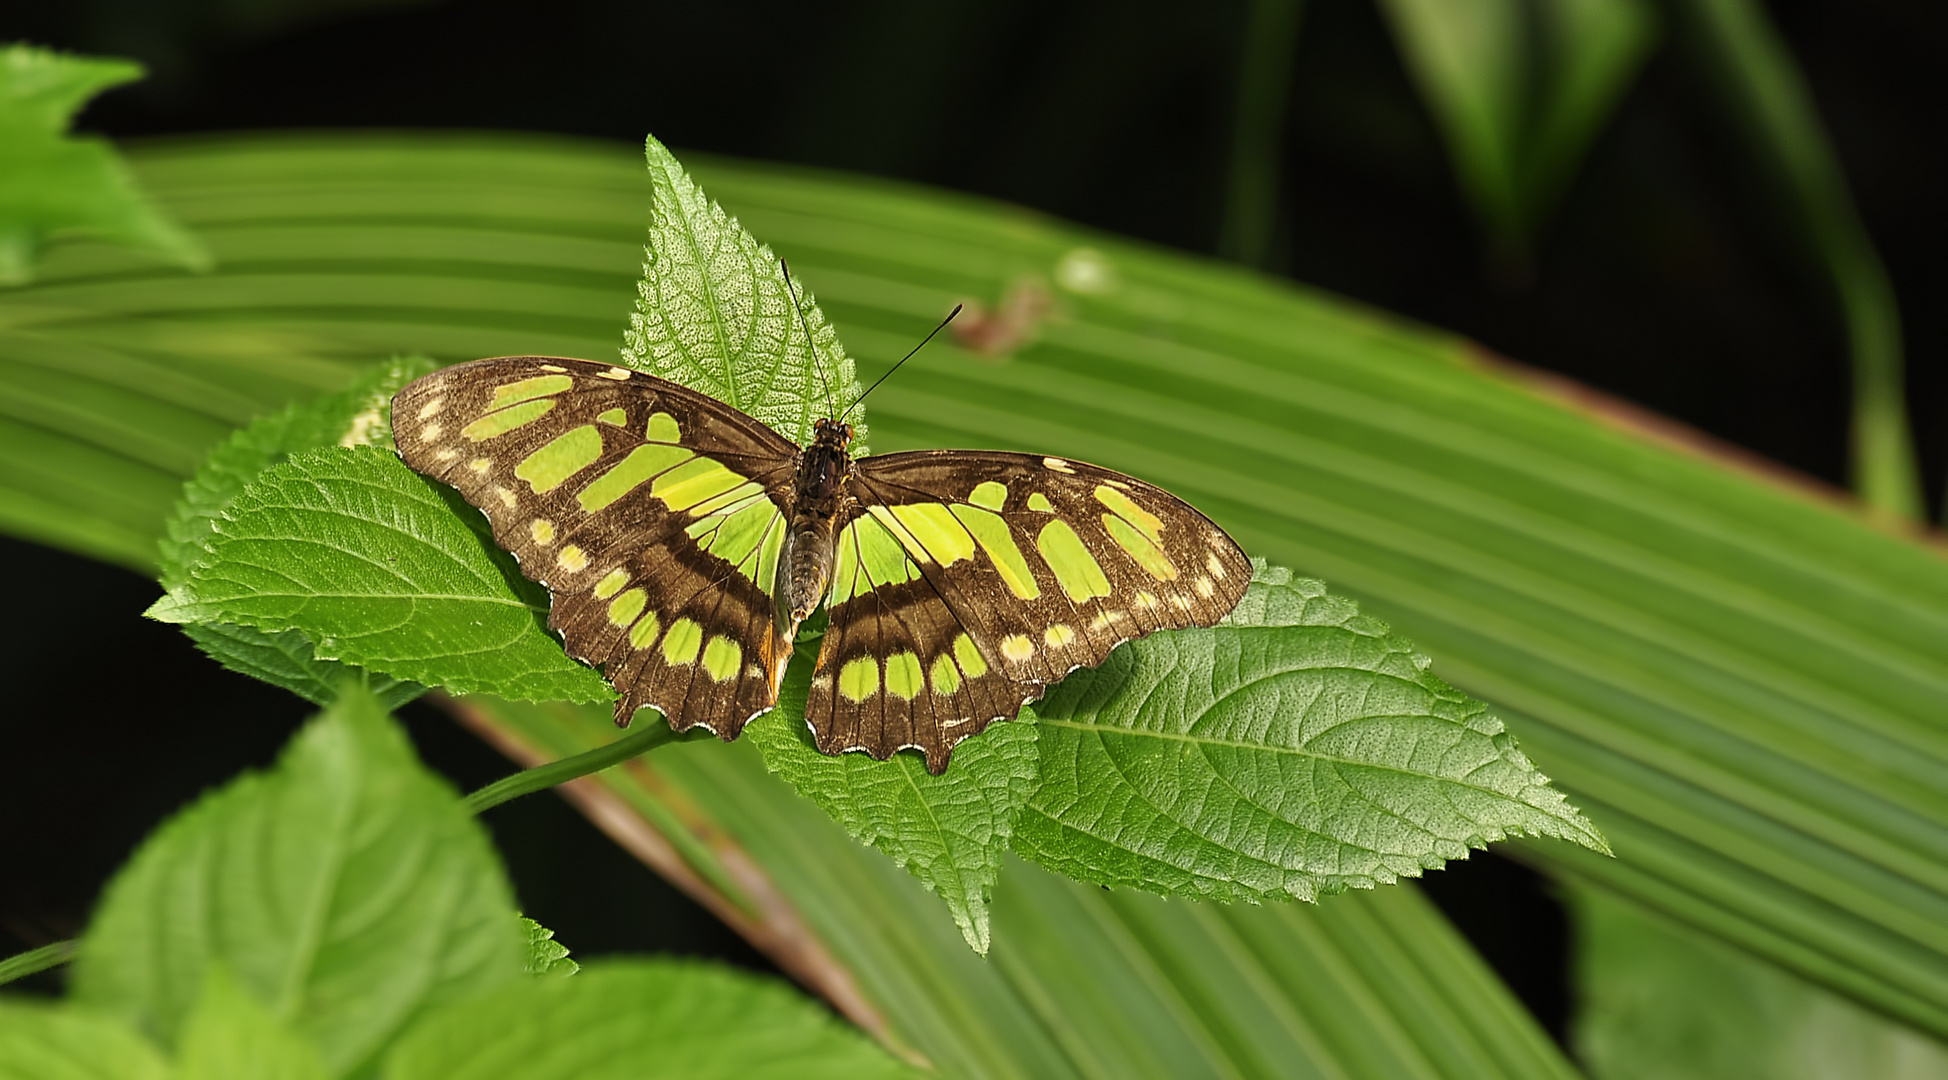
867,557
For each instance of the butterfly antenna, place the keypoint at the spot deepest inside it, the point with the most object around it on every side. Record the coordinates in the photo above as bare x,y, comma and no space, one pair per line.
811,346
903,359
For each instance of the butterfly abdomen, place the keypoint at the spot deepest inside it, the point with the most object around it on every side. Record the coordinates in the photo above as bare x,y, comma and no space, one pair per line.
804,569
805,564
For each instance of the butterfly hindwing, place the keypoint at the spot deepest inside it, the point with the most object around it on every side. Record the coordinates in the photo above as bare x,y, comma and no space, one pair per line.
652,513
969,580
898,667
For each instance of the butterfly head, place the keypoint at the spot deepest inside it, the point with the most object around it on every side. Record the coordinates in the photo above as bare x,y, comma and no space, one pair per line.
832,433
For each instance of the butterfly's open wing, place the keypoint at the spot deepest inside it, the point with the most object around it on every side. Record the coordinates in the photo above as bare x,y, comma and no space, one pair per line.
969,580
652,512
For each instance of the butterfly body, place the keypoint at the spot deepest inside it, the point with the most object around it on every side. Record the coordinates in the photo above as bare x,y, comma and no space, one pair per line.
684,542
805,564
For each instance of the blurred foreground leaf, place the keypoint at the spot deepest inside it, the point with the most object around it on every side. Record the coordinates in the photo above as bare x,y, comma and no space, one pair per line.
347,891
640,1020
1519,90
230,1035
40,1040
55,186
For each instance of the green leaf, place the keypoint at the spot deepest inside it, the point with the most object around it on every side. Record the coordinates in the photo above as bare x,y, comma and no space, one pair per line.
713,313
347,890
356,416
1660,1000
359,415
1519,90
546,956
950,831
639,1020
56,1042
57,187
287,659
1295,749
377,567
230,1035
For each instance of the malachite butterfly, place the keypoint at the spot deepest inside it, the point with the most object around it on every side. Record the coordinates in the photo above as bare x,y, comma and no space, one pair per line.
684,542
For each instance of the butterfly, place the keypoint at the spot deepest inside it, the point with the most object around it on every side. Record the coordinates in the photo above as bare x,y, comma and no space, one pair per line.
684,542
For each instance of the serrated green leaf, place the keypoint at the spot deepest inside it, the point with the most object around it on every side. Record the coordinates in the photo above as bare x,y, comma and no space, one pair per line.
355,416
376,565
54,1042
230,1035
359,415
546,956
1295,749
950,831
55,186
347,889
640,1020
713,313
286,659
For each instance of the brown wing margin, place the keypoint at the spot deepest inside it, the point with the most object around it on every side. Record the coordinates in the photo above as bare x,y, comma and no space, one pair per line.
1045,564
566,458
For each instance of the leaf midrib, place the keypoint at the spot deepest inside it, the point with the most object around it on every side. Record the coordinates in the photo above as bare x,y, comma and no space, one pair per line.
1292,751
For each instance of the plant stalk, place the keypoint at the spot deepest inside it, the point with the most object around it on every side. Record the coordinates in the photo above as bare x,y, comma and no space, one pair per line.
542,777
1264,85
1764,90
38,960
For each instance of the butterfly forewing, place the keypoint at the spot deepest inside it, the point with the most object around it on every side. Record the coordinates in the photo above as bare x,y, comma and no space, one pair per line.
653,514
969,580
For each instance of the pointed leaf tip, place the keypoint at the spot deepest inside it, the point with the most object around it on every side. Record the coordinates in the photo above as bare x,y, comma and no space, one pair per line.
714,313
1296,749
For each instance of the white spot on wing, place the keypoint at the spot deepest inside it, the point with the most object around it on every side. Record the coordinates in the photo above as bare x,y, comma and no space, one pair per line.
1058,465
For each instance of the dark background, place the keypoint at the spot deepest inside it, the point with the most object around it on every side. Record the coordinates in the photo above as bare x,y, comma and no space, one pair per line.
1666,276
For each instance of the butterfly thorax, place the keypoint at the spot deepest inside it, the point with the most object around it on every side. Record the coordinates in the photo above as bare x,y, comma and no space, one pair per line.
819,498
